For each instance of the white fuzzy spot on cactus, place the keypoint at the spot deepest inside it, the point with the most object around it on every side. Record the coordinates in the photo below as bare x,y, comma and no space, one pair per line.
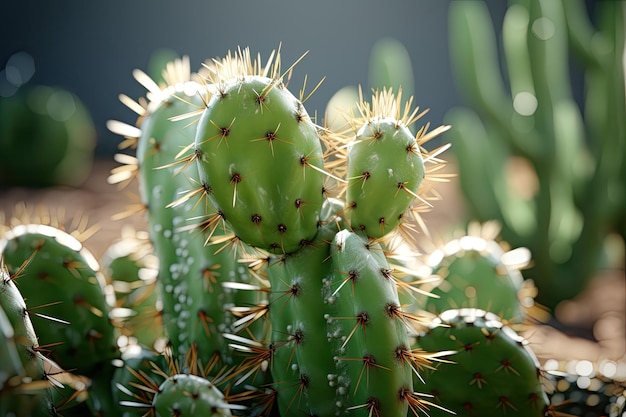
157,228
169,288
167,233
294,367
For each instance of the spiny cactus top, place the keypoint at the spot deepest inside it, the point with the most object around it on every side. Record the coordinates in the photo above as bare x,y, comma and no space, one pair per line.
184,395
477,271
385,163
260,155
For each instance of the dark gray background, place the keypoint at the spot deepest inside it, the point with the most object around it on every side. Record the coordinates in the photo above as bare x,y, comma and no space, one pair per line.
91,47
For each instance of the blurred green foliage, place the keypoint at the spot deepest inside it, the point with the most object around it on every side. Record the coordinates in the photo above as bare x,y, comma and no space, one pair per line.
551,170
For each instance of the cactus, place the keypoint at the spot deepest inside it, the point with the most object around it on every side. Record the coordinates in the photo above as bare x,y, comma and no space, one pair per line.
281,291
569,160
476,271
191,276
73,302
189,395
260,156
54,128
374,355
492,372
24,384
131,269
385,166
300,369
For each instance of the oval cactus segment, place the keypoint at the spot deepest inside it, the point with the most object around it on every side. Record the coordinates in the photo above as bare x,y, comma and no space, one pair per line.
385,169
261,156
368,319
184,395
63,281
493,371
474,276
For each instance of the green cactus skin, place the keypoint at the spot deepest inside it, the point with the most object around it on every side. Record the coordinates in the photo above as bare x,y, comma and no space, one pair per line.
493,371
23,382
10,363
372,359
131,269
195,303
62,280
474,275
54,128
71,288
185,395
385,169
303,370
261,157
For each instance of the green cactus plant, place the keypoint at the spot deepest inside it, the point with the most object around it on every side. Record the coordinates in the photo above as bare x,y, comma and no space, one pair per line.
477,271
73,302
297,315
131,269
373,329
492,372
191,274
318,318
190,395
260,156
54,128
571,160
25,387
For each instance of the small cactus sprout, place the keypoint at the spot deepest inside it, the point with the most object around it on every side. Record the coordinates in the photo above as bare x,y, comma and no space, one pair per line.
385,163
184,395
477,271
260,154
492,372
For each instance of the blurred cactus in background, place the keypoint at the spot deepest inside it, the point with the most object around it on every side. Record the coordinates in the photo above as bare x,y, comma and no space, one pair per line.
281,269
47,135
529,157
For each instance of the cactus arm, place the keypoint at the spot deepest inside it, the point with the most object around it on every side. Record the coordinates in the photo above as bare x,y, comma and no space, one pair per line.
371,355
